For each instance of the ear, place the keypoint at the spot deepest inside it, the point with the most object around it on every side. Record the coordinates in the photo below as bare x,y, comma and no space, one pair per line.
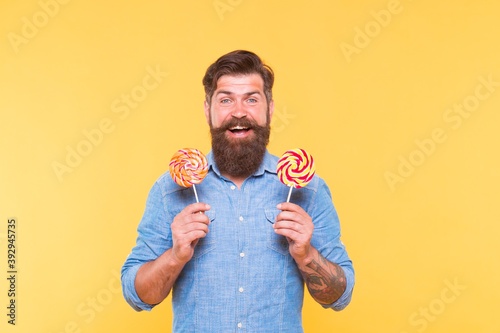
207,111
271,109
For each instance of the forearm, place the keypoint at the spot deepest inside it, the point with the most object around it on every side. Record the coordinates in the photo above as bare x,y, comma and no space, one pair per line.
325,280
155,279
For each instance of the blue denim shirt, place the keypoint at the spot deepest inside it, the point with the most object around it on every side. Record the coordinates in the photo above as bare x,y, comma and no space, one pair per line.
241,277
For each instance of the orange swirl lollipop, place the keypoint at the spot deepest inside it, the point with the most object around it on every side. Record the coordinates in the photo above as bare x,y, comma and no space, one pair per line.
188,167
295,169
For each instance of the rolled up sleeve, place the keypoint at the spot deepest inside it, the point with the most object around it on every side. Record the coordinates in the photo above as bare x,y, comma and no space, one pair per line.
153,239
326,239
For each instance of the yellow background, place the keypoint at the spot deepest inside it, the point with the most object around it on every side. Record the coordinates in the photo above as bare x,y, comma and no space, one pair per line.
362,85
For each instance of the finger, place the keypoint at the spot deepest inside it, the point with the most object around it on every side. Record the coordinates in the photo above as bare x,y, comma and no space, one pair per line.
184,225
189,237
196,208
196,234
287,216
290,234
287,224
293,208
197,218
190,223
289,206
193,213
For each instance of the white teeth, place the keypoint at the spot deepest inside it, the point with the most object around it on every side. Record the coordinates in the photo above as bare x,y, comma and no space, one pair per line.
238,128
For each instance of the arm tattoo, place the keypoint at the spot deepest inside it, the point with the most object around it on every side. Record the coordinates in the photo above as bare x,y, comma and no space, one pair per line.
325,280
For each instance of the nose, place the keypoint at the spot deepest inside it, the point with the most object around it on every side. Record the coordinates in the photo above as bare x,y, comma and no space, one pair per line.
239,111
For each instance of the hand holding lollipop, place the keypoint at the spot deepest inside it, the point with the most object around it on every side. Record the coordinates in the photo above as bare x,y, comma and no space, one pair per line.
295,169
188,167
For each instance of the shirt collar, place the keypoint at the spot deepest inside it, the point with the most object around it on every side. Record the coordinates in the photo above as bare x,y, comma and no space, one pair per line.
268,164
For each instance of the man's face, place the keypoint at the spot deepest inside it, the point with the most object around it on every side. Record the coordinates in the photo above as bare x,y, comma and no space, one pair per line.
239,118
238,97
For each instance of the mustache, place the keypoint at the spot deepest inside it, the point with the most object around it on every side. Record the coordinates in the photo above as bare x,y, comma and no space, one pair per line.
242,122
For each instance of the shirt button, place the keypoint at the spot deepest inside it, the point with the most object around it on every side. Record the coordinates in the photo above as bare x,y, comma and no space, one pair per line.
240,325
241,218
242,254
241,289
233,187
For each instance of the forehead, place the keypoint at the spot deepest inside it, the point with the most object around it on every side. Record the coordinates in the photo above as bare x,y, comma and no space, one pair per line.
238,83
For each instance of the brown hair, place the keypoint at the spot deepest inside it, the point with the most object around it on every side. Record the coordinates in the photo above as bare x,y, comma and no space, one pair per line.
239,62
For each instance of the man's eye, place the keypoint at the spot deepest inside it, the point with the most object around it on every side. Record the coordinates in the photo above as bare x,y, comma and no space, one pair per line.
252,100
225,101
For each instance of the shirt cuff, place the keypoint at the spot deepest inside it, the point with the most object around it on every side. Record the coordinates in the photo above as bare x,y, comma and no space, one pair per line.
129,292
345,299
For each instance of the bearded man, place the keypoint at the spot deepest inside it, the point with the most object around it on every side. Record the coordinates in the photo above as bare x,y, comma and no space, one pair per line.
239,259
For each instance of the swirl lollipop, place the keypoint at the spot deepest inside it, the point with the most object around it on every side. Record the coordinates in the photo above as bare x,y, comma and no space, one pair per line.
295,169
188,167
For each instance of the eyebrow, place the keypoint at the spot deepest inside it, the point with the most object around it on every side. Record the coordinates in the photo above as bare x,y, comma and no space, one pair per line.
227,92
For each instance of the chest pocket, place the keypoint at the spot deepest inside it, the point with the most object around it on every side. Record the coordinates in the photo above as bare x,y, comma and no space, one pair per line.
275,242
207,243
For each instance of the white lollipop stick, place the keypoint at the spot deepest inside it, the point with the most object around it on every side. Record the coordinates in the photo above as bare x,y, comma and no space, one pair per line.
195,194
289,193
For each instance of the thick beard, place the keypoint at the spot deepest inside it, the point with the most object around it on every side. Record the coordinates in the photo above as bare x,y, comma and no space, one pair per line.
239,157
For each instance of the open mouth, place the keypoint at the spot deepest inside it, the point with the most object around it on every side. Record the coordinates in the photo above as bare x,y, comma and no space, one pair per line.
239,130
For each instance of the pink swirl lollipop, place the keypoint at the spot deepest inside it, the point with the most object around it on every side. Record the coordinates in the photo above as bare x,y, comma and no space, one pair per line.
295,169
188,167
